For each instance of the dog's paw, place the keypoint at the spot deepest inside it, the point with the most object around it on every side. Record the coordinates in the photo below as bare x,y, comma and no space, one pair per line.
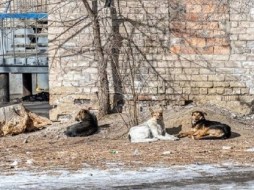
195,137
180,135
173,138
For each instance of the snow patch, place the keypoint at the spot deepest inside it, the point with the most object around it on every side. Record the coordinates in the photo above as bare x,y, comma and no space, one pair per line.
119,177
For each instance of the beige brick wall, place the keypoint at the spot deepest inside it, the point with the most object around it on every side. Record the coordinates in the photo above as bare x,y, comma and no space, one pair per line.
184,50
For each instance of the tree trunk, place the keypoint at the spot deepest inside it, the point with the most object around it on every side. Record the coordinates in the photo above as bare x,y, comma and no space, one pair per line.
4,88
116,43
104,103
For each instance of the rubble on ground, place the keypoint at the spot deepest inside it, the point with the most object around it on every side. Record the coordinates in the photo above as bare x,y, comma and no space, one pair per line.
16,119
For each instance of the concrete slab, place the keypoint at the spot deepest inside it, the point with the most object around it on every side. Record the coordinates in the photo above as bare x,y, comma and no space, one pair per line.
40,108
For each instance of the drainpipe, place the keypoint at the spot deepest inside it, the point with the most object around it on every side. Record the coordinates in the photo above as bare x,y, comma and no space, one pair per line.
4,77
2,29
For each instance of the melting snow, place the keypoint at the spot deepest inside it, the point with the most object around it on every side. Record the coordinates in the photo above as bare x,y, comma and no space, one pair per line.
119,177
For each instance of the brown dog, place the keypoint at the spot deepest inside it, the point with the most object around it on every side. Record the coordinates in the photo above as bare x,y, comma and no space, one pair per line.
202,128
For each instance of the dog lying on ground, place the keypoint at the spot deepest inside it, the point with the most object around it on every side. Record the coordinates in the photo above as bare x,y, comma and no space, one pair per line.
151,130
202,128
87,125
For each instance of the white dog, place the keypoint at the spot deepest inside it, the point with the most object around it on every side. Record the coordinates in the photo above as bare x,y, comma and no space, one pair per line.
151,130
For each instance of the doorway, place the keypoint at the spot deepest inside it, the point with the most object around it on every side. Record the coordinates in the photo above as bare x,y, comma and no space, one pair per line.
27,84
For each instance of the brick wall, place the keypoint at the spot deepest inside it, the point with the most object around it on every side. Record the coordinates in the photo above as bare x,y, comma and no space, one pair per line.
189,50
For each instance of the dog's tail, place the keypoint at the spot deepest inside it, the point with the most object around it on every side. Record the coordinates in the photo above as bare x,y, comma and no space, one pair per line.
227,131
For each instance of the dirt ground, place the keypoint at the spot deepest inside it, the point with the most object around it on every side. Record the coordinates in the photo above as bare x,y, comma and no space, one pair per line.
50,149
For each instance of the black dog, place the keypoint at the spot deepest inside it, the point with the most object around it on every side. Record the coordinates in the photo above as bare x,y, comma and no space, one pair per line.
87,125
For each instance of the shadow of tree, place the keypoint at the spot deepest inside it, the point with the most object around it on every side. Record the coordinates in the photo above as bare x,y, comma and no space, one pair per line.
104,126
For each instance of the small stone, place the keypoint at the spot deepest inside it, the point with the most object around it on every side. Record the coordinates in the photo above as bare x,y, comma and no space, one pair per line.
29,162
14,164
227,147
166,153
250,149
234,116
136,152
26,140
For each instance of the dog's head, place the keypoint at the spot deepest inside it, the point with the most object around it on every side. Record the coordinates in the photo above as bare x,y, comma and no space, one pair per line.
83,114
197,116
157,114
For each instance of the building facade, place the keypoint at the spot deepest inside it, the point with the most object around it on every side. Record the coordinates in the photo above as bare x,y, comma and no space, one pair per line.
169,52
23,47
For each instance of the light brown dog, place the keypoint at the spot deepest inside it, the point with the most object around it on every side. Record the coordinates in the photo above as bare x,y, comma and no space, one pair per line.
202,128
151,130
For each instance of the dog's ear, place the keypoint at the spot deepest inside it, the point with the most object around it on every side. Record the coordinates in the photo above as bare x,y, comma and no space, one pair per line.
83,111
151,110
161,109
204,113
201,113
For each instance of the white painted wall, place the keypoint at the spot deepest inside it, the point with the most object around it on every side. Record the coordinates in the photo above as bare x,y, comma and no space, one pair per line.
16,86
40,82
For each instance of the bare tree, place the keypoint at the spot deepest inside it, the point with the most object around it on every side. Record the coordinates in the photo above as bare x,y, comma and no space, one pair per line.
102,62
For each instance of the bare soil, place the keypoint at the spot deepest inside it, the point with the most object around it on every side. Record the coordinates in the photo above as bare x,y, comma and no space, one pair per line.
50,149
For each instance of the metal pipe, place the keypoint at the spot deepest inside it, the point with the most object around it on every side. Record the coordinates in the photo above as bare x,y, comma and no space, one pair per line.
2,29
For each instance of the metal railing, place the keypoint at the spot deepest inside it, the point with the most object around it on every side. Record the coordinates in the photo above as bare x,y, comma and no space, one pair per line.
24,6
23,33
